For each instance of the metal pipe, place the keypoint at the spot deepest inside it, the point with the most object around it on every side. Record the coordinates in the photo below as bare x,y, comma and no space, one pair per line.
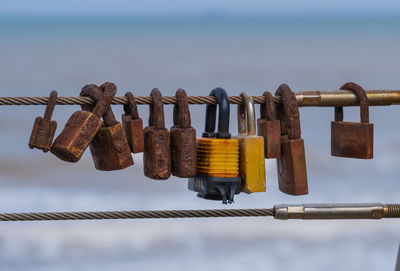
346,98
336,211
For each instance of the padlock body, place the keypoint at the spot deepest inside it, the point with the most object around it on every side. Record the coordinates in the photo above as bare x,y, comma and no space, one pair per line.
215,188
252,163
218,157
42,134
271,132
183,152
78,132
134,133
352,139
157,153
292,173
110,150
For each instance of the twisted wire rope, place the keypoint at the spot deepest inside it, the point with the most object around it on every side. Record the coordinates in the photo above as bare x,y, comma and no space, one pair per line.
136,214
121,100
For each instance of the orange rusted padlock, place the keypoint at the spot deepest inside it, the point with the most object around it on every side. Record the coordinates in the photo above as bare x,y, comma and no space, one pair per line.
80,130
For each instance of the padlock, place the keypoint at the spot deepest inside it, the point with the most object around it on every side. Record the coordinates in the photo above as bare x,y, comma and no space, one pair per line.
80,130
109,148
217,175
157,148
44,128
183,139
133,125
269,127
251,148
353,139
292,172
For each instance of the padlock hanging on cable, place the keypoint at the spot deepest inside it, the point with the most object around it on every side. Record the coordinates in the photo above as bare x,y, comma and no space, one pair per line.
217,155
292,172
109,148
44,128
269,127
157,146
251,148
183,139
80,130
133,125
353,139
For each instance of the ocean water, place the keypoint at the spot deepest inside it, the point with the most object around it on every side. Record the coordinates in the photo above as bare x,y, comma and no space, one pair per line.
250,54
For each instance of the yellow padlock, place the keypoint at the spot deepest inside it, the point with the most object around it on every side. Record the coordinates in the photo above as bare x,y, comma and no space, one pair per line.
251,148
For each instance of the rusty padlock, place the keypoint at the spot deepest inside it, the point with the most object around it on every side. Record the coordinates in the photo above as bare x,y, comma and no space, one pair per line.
183,139
269,127
292,172
133,125
109,148
353,139
80,130
251,148
44,128
157,149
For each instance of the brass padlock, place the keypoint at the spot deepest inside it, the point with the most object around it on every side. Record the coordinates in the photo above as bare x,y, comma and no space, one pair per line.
217,155
251,148
157,148
269,127
292,172
109,148
44,128
183,139
133,125
353,139
80,130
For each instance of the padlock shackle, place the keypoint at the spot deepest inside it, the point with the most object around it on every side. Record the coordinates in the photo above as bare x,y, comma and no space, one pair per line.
110,90
48,113
131,108
181,110
156,116
250,124
363,99
267,109
288,112
98,94
223,115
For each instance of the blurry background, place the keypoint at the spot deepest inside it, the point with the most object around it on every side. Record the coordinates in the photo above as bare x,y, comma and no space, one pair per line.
252,46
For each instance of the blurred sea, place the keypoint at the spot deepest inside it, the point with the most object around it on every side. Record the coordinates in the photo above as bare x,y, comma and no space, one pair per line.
253,54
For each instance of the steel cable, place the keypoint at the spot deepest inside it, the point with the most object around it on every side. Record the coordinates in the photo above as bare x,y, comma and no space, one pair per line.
136,214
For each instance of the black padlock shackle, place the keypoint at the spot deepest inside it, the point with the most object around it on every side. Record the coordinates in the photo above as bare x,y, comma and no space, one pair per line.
48,113
156,116
288,112
267,109
223,115
181,110
103,94
362,97
131,108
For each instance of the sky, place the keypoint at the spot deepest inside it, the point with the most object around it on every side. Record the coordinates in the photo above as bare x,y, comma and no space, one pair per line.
182,7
